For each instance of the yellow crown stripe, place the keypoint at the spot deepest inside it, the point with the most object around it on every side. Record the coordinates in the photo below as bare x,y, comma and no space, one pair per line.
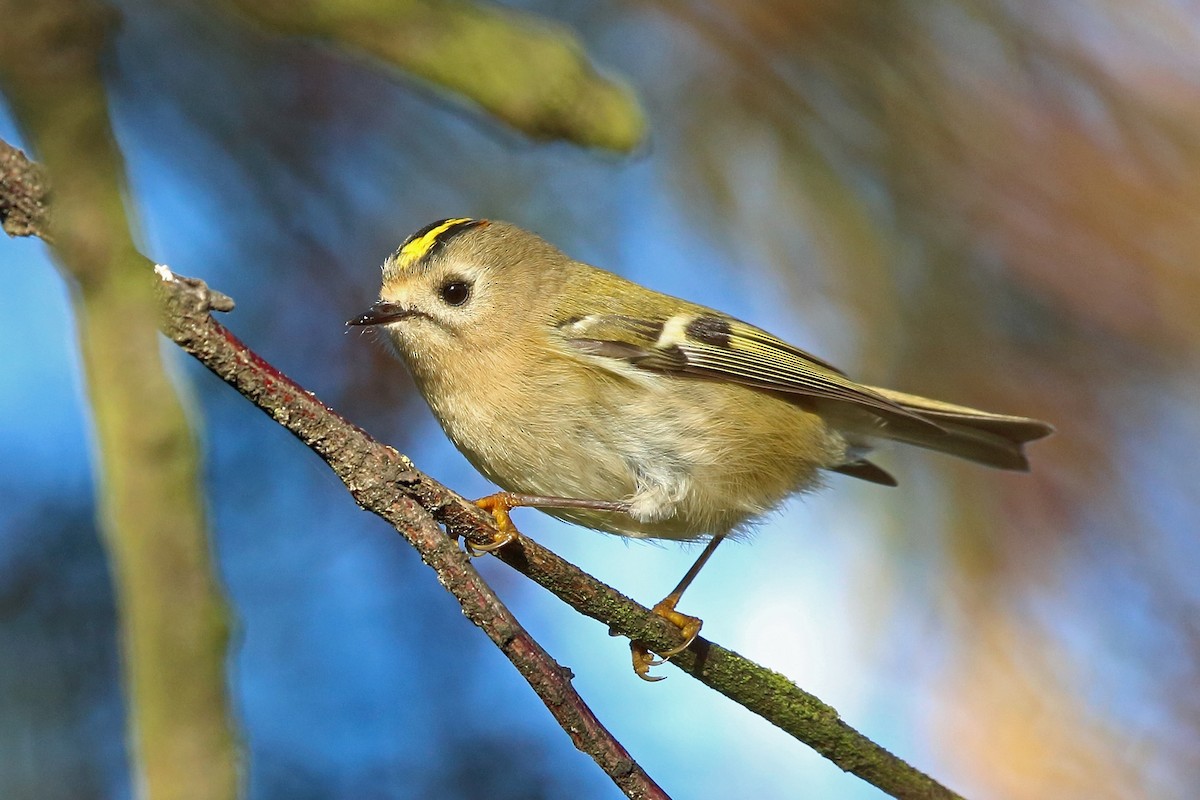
418,248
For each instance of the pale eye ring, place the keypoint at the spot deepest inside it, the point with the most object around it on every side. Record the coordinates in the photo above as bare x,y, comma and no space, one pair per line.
455,292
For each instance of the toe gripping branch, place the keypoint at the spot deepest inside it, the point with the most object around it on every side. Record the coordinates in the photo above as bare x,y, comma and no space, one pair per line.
643,659
500,504
688,626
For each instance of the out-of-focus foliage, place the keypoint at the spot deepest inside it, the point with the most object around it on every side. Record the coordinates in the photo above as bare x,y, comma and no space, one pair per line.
518,68
986,201
1004,197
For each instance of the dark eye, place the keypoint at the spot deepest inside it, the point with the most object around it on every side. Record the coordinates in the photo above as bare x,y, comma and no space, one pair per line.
455,292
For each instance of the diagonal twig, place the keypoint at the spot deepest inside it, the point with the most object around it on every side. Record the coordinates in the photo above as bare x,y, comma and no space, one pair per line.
381,480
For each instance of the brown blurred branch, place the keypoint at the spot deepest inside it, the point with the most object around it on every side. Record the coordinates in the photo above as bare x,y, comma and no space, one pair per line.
386,483
517,67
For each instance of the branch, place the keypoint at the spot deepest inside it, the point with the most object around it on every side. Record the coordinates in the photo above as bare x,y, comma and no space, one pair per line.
173,617
516,66
23,209
386,483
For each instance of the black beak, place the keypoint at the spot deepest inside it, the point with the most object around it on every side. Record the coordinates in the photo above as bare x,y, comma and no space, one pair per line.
381,313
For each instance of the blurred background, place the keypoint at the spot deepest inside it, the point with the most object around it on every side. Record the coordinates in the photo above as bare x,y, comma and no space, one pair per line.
993,202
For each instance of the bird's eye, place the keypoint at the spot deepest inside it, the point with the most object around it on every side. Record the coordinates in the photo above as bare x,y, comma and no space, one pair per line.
455,292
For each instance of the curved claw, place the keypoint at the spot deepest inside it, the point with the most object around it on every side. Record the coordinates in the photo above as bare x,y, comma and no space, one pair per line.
477,550
499,506
643,660
688,626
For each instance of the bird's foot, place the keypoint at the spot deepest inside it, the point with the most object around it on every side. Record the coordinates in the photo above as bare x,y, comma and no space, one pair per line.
498,505
643,659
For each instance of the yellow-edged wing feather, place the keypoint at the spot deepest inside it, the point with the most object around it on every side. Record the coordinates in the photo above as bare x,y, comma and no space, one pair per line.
718,347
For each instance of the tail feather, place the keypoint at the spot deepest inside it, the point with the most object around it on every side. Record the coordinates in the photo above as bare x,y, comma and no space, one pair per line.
996,440
866,471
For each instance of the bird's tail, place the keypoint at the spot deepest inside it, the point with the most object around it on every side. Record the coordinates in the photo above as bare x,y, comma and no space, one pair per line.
996,440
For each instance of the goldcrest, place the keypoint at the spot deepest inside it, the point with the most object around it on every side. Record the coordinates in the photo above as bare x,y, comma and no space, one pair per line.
629,411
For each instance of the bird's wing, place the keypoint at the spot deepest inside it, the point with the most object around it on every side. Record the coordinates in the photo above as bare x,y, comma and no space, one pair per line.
718,347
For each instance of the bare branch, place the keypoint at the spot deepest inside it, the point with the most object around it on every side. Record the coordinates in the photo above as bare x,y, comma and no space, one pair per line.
386,483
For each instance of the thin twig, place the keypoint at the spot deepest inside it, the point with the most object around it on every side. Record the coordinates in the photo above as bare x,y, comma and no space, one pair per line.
379,478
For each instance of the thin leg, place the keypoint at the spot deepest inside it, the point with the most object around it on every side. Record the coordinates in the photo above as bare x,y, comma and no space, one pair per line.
501,503
691,574
515,500
665,608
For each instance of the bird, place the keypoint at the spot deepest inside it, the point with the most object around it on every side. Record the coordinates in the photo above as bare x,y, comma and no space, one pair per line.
629,411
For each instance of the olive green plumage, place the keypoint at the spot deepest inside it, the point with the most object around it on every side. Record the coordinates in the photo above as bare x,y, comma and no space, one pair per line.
557,378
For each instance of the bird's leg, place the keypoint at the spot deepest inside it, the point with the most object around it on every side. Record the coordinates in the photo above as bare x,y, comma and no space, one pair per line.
499,504
665,608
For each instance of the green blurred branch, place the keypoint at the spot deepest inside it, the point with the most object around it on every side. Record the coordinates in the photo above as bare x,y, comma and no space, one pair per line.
517,67
174,621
